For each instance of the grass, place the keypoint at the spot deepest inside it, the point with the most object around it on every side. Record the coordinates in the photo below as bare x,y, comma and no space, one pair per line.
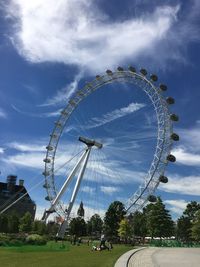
49,256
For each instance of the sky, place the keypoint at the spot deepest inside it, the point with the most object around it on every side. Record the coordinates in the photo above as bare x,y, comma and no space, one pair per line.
49,49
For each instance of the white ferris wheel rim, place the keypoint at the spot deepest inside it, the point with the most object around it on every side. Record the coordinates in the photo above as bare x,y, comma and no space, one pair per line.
164,133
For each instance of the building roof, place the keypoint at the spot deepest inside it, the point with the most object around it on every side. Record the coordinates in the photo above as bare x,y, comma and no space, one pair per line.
15,190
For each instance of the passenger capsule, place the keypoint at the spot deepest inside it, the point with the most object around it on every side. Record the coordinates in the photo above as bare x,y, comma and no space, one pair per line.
47,160
174,117
170,100
163,87
48,198
175,137
46,185
152,198
98,77
154,77
109,72
163,179
120,69
49,148
132,69
171,158
144,72
46,173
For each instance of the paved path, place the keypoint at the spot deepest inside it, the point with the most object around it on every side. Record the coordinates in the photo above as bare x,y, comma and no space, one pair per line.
165,257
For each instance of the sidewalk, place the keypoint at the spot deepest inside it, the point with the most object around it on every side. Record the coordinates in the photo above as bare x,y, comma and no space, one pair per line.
142,258
123,260
163,257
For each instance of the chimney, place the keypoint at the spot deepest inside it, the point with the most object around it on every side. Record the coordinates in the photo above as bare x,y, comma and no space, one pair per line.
11,182
21,182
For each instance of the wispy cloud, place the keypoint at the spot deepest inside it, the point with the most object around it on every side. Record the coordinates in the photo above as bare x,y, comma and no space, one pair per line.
177,206
81,34
109,189
1,150
49,114
3,114
29,160
27,147
115,114
88,189
65,93
189,185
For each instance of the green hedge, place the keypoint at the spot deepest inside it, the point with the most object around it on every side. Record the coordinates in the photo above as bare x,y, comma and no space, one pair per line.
36,239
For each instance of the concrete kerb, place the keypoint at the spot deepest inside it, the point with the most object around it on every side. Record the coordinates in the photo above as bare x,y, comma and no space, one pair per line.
124,259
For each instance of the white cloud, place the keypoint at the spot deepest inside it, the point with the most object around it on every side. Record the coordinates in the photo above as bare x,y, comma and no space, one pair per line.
65,93
77,32
186,158
176,206
115,114
27,147
31,160
1,150
109,189
190,138
189,185
88,189
3,114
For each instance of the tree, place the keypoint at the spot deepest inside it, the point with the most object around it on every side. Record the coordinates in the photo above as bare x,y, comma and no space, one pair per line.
191,210
196,227
4,223
13,223
159,221
26,223
94,225
138,221
52,228
77,226
185,222
125,230
113,217
184,229
39,227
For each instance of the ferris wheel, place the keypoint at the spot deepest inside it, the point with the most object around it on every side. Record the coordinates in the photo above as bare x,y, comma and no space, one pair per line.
161,157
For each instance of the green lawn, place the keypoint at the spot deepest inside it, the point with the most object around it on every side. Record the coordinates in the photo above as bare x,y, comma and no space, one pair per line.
73,256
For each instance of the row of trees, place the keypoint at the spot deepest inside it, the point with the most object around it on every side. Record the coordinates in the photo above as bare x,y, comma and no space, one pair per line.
12,223
154,221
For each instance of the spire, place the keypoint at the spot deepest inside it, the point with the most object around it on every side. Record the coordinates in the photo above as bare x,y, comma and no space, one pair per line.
81,211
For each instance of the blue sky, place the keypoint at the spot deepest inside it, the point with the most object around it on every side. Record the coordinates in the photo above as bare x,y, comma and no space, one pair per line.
49,49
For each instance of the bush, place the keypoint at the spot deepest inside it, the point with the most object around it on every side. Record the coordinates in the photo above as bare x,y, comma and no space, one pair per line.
4,238
3,244
15,243
35,239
